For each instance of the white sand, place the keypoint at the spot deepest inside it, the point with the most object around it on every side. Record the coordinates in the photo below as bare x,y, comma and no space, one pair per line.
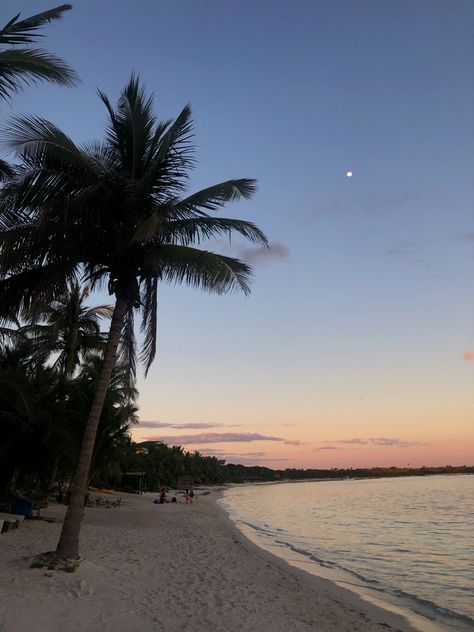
170,568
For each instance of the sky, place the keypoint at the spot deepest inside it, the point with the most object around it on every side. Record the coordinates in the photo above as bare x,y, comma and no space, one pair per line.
356,346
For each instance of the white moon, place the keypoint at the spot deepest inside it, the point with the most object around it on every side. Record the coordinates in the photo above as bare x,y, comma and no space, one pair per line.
349,174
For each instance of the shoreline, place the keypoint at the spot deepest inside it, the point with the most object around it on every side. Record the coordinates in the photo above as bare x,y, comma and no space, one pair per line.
399,614
375,612
168,568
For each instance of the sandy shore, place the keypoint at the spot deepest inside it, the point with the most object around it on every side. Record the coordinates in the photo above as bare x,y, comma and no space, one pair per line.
168,568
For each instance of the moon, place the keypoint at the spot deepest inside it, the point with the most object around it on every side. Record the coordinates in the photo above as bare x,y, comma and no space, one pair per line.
349,174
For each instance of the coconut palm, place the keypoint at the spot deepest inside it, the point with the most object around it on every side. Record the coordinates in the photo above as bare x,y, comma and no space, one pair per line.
114,212
68,329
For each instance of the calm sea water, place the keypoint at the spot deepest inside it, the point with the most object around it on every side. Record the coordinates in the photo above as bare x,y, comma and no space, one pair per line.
408,542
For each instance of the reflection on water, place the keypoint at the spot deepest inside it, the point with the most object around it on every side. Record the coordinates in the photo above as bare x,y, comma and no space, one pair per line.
407,539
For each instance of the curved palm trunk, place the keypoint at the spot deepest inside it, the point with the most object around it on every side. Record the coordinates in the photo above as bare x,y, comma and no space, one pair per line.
68,545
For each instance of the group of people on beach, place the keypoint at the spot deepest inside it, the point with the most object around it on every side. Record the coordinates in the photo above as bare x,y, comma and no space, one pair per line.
188,494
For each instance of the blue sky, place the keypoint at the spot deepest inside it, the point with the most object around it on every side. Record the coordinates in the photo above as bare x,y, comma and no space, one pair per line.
358,328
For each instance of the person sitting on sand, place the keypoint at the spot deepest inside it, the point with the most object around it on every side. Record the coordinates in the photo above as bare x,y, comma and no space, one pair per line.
162,498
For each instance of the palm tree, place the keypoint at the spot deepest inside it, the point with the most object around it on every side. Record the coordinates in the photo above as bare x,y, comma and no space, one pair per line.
68,329
114,212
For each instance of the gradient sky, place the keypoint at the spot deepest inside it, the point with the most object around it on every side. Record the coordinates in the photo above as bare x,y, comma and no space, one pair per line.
356,346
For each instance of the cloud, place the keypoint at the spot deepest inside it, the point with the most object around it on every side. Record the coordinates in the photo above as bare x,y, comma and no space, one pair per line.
469,355
382,441
374,204
223,454
215,437
373,441
466,237
153,424
276,251
327,447
394,203
198,425
237,459
292,442
406,254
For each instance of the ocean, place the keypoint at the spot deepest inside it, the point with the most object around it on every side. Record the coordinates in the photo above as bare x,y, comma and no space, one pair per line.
403,543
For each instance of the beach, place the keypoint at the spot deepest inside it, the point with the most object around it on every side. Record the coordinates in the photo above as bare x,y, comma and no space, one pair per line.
172,567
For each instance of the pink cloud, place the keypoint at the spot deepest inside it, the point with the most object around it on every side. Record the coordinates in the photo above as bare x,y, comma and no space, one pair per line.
292,442
192,425
215,437
469,355
372,441
227,455
262,254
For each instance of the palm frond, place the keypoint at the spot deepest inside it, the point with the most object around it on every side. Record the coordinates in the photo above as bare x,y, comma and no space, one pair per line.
188,231
191,208
6,170
127,351
217,195
113,132
196,230
26,66
22,293
177,138
24,31
43,144
149,321
135,115
102,311
200,269
174,154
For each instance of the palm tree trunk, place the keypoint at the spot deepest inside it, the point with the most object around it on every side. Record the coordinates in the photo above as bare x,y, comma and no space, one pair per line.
68,545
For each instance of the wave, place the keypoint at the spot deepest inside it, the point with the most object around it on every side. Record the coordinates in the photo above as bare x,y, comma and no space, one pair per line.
421,606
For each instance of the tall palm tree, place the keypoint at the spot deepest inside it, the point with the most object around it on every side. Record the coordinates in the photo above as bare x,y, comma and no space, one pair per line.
114,212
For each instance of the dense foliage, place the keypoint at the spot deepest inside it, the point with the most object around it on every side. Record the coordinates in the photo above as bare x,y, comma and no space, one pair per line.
45,392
